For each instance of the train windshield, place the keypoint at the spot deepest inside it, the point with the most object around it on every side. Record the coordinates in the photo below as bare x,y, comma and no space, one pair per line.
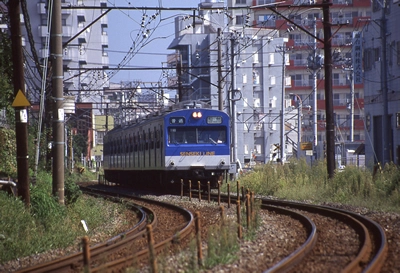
196,135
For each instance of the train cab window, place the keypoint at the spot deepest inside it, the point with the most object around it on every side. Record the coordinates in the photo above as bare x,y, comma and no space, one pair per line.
194,135
214,135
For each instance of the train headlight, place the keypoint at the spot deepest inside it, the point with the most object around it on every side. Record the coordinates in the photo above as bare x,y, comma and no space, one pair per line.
222,162
197,114
171,163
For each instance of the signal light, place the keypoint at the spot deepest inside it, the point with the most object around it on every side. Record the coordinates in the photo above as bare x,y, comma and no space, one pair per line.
197,114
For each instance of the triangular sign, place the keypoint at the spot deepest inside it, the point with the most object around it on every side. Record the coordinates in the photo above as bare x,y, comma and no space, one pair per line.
20,100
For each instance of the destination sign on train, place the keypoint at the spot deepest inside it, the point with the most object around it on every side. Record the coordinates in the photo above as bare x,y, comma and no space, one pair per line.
177,120
214,120
197,153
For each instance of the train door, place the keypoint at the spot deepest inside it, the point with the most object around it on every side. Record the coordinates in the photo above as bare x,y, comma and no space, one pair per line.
130,150
148,148
161,147
125,151
155,139
134,151
121,152
144,150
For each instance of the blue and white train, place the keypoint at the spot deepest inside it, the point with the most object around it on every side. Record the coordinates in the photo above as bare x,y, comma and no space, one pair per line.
158,151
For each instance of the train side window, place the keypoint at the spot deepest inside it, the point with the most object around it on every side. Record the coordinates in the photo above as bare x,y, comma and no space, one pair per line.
158,139
135,143
130,144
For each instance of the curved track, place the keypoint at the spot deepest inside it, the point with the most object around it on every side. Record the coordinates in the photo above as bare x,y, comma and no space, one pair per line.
372,247
346,240
117,251
363,247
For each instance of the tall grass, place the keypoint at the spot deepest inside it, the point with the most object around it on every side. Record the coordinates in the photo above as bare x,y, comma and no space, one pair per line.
353,186
46,224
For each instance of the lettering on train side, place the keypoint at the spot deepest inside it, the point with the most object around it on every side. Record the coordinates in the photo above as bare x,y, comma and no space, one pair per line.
196,153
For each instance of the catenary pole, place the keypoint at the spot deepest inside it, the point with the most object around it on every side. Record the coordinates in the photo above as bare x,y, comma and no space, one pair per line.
21,126
384,86
58,144
330,129
220,99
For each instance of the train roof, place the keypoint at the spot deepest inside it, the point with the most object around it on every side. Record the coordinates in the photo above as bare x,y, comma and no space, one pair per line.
161,113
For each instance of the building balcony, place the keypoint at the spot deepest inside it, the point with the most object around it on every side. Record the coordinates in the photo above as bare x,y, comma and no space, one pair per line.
44,53
43,31
64,8
104,21
42,8
82,59
67,31
105,61
104,39
361,3
360,21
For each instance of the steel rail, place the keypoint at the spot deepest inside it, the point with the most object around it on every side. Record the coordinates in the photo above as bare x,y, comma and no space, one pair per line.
75,260
369,259
142,256
298,255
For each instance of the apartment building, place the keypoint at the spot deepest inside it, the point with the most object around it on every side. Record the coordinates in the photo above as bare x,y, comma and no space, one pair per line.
84,56
306,66
236,69
381,51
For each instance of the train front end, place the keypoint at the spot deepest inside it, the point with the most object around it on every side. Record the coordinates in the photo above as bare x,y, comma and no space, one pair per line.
197,146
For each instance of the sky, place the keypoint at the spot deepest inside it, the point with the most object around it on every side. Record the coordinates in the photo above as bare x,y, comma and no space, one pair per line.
125,33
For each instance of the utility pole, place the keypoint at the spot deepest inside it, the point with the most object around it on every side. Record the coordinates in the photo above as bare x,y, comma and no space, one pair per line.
282,49
283,106
179,74
233,101
351,79
330,132
315,105
314,64
387,147
21,116
58,143
220,99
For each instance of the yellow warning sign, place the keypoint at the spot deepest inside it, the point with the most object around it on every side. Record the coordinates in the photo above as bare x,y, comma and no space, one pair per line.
20,100
306,146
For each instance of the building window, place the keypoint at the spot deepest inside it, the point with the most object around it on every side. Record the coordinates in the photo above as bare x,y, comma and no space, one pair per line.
266,20
398,53
377,54
296,38
297,80
100,136
336,79
240,20
398,120
342,2
263,2
376,6
368,58
257,149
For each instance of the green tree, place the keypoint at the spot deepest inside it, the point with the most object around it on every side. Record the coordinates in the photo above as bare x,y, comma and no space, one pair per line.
8,162
6,70
80,145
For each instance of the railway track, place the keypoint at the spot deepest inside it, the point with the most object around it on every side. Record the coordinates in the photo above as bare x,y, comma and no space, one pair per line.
348,242
131,247
335,240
